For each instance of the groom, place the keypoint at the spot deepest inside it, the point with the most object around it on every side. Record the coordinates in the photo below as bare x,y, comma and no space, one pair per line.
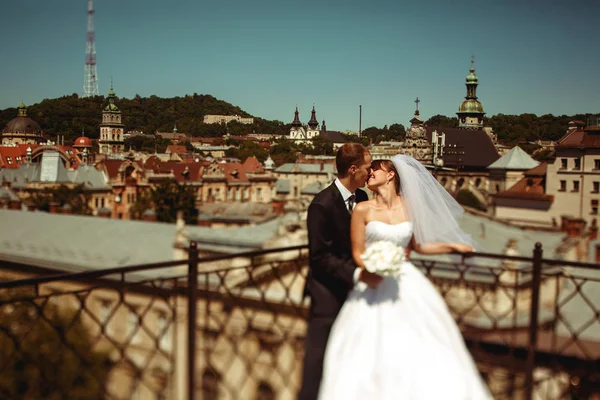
332,272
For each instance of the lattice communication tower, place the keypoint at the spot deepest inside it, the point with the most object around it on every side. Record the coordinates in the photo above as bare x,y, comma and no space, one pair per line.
90,77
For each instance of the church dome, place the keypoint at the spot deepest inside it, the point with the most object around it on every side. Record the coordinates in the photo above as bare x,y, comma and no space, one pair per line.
472,78
22,123
471,106
82,142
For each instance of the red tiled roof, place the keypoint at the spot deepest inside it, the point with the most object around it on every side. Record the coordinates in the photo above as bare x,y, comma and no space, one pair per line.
540,170
179,170
8,157
172,148
112,167
571,139
588,138
234,172
253,165
527,188
210,140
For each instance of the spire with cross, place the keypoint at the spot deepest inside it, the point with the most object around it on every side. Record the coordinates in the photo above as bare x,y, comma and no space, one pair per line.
417,101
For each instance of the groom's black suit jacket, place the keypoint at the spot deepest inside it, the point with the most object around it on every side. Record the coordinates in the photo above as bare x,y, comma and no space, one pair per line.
329,280
330,276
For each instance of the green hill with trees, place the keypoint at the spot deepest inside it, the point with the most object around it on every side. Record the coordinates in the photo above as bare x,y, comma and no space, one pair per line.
71,115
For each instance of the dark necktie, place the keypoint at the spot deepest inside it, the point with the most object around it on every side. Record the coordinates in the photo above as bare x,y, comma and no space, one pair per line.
351,203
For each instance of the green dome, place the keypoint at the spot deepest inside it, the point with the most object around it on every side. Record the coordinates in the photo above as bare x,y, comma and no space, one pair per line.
472,78
471,106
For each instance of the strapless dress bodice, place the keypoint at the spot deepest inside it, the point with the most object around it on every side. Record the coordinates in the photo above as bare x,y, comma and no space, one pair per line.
399,234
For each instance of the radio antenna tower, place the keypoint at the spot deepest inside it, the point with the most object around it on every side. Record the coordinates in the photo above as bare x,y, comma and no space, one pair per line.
90,79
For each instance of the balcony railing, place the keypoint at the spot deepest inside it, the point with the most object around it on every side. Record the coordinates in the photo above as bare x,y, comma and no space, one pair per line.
232,327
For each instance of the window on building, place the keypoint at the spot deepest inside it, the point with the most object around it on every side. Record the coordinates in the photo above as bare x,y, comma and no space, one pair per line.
477,182
596,187
9,160
563,186
594,205
596,164
259,194
577,163
597,253
575,186
563,163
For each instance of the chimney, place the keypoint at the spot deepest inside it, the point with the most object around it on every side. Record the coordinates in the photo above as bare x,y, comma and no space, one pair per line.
149,215
278,206
103,213
54,207
15,204
574,227
204,222
593,235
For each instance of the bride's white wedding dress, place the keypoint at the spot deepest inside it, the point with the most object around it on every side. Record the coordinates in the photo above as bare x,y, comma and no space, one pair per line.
398,341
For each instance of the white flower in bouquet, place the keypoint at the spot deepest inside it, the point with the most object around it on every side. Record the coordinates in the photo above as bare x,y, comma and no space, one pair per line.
384,258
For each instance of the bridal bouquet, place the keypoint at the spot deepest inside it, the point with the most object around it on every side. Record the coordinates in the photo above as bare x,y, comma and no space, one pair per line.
384,258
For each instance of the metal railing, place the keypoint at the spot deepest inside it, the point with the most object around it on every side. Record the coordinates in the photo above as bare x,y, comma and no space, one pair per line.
233,326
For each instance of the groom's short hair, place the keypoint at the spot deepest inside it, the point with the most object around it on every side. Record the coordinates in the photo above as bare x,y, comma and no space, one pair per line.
348,155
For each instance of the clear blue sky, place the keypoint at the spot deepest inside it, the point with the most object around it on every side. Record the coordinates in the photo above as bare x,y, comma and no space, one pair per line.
267,56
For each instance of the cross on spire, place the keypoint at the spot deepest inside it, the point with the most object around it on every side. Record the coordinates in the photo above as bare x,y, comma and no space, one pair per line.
472,60
417,101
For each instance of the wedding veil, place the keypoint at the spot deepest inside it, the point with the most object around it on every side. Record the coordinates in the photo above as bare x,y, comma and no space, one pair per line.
432,210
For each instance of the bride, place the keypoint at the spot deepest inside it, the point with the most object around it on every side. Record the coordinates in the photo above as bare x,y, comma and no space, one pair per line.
399,340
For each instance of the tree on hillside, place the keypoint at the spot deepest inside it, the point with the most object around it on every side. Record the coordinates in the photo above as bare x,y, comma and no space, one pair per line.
147,144
166,199
443,121
248,149
76,197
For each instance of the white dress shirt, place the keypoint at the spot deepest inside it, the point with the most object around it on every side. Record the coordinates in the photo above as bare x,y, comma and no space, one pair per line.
346,196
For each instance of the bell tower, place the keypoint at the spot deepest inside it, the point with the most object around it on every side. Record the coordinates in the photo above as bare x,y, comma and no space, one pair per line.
470,113
111,130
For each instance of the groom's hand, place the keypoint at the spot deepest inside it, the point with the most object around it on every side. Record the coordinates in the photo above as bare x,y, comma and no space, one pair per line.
371,279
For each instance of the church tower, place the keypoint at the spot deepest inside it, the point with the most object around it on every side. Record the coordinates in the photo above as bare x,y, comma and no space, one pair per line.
470,113
415,143
111,130
313,125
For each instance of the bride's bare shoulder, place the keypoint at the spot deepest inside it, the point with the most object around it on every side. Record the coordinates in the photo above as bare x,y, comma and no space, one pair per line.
364,206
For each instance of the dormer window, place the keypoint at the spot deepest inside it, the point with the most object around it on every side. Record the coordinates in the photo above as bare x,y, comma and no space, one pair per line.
235,173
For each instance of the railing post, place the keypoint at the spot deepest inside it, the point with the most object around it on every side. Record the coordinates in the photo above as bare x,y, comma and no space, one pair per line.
533,319
192,304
